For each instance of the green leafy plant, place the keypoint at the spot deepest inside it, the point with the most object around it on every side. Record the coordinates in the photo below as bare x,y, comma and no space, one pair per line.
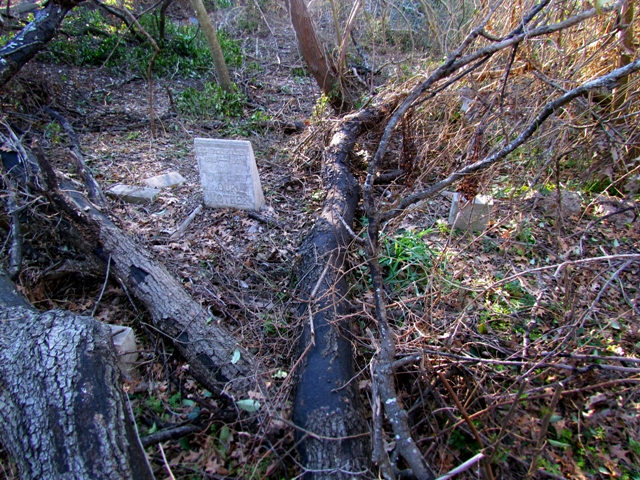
406,258
93,40
211,102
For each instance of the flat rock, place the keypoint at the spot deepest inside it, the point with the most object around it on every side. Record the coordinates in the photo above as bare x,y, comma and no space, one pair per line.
570,203
131,194
171,179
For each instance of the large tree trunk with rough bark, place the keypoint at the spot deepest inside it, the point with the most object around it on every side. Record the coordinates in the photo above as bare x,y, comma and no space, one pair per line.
63,413
314,56
33,37
333,431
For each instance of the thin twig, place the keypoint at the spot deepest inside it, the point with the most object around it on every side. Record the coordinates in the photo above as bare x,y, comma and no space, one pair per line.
606,81
507,420
462,467
166,464
543,430
156,51
104,286
184,225
465,415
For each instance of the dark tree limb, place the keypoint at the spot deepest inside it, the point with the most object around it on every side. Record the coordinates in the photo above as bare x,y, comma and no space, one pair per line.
33,37
93,189
63,413
169,434
162,20
333,434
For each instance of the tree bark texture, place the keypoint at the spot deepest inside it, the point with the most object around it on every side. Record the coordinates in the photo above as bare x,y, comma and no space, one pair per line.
63,413
332,431
33,37
314,56
199,338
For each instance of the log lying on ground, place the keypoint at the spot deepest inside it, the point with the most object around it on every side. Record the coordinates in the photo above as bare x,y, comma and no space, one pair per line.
333,433
63,413
215,357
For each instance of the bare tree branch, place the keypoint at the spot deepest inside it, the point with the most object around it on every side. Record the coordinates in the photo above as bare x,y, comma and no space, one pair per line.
608,81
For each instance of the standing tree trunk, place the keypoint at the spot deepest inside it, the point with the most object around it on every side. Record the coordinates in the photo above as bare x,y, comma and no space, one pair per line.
214,45
63,413
33,37
314,56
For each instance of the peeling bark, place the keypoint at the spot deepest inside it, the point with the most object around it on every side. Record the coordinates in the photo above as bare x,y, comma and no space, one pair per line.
63,413
333,432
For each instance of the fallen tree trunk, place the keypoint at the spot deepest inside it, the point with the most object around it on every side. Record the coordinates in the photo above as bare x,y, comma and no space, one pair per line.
33,37
333,433
215,357
63,413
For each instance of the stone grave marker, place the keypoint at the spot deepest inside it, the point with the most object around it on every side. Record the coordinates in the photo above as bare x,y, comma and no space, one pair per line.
131,194
124,340
171,179
229,174
473,216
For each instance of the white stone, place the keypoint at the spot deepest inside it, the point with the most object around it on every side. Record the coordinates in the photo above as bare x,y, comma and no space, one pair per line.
124,340
473,216
131,194
171,179
229,174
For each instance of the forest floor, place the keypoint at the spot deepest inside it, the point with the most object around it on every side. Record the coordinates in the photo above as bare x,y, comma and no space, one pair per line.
522,300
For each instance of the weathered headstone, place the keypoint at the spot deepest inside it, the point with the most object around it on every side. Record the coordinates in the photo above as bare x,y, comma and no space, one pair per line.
229,174
473,216
131,194
171,179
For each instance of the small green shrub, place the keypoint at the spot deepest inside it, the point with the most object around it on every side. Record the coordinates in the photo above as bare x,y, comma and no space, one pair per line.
211,102
407,259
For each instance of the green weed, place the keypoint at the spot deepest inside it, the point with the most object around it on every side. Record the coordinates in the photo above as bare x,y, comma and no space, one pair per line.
407,259
211,102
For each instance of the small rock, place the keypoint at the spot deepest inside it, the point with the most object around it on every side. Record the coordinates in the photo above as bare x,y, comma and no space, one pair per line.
570,203
171,179
131,194
615,210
